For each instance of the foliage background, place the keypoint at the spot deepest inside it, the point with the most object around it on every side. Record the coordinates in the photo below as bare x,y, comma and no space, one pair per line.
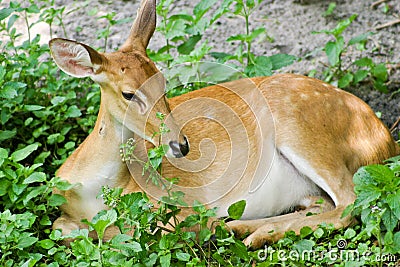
289,26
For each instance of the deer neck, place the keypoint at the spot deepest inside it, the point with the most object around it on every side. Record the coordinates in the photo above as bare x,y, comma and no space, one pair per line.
97,160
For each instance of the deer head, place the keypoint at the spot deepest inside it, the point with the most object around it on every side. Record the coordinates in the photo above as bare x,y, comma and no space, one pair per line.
132,88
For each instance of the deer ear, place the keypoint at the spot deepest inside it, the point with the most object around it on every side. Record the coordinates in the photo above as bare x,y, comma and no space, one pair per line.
143,27
75,59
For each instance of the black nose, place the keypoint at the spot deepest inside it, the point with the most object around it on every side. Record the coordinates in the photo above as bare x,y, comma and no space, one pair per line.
179,150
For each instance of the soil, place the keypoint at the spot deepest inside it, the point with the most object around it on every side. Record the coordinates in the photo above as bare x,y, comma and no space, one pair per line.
289,23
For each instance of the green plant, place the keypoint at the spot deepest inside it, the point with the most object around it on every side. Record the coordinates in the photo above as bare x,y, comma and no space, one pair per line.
343,76
330,10
183,34
152,166
377,204
252,65
36,107
28,205
111,21
51,14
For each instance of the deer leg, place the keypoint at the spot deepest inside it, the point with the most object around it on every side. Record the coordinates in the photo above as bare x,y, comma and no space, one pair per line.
269,230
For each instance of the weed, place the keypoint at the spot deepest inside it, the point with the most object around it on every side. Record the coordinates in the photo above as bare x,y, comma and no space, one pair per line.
341,76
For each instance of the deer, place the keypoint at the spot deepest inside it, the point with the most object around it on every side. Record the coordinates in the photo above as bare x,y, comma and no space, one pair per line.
286,141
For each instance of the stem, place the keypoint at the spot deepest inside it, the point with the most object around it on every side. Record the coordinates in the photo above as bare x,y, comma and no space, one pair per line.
51,31
27,26
246,16
379,237
105,40
63,27
166,39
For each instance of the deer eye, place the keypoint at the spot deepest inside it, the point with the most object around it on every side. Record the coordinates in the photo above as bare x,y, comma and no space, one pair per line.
123,70
129,96
133,97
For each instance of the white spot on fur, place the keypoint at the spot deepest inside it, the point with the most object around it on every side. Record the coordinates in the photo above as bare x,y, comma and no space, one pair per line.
304,96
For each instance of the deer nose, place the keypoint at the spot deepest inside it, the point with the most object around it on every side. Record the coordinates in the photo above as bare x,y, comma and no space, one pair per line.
179,150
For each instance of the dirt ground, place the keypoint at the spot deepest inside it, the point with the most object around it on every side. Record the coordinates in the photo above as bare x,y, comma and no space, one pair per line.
288,22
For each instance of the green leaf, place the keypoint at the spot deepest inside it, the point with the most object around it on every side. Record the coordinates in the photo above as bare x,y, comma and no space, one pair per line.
56,200
8,92
305,231
360,75
279,61
33,8
160,57
262,67
347,210
35,178
333,51
380,86
7,134
255,33
380,72
46,243
57,100
365,198
396,242
10,89
24,152
4,186
345,80
342,25
133,245
318,233
165,260
182,256
177,29
237,37
360,38
239,249
389,220
189,45
2,73
205,235
26,242
236,210
349,233
186,17
304,245
364,62
103,220
394,203
63,185
73,112
329,10
5,12
120,238
11,21
202,7
3,153
380,173
32,107
45,220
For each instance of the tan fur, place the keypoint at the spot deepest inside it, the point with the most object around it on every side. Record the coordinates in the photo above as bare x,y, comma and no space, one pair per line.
308,136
